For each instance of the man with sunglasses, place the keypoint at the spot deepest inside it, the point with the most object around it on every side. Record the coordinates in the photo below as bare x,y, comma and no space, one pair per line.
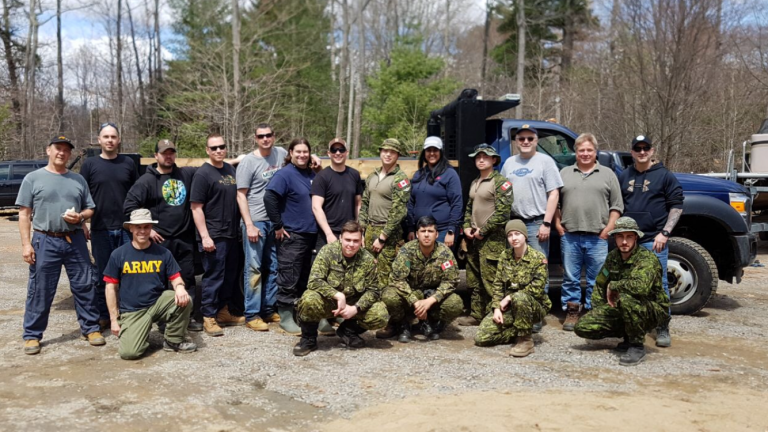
654,198
109,176
536,182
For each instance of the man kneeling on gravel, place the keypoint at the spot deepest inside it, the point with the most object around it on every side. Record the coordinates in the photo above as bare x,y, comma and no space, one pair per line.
342,283
628,299
139,271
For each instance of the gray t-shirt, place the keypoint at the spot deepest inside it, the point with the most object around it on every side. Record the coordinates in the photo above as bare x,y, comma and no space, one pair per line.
254,173
50,195
531,180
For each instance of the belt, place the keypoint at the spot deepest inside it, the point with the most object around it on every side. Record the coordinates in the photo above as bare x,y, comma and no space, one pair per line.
377,224
582,233
64,234
533,219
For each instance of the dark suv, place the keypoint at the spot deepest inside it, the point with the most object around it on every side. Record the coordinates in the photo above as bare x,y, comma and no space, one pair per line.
11,175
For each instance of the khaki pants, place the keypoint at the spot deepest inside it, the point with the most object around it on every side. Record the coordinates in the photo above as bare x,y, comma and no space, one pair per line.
135,326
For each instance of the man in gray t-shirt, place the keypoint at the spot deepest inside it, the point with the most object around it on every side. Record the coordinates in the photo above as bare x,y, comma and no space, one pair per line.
260,274
60,201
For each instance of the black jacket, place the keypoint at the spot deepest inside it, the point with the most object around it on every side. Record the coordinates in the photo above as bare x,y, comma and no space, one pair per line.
649,196
166,196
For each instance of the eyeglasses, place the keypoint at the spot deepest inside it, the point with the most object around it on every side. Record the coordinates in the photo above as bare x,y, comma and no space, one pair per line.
640,149
217,148
108,124
524,139
338,150
269,135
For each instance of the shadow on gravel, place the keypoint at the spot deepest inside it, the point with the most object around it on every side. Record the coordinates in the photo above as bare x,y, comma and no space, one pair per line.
63,338
67,303
723,302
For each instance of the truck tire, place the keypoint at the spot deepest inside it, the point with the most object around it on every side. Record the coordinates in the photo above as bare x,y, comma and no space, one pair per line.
692,276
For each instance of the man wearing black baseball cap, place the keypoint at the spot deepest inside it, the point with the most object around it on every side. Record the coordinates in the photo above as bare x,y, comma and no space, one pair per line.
654,199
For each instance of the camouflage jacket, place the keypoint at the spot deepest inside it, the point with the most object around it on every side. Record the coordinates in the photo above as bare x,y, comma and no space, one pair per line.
529,274
494,241
401,193
356,278
411,271
638,276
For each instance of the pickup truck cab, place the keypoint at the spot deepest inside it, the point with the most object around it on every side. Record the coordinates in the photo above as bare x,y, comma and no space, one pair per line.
11,175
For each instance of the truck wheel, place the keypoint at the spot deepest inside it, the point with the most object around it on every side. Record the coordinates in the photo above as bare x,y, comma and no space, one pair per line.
692,276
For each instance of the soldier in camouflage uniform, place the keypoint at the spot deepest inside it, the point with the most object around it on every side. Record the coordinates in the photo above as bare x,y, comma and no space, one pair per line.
490,202
384,206
629,298
422,284
519,299
342,283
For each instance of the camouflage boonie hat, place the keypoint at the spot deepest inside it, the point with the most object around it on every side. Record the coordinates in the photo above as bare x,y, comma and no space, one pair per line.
487,149
393,144
626,224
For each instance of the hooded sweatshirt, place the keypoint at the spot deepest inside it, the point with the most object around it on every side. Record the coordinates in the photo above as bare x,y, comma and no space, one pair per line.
167,198
649,196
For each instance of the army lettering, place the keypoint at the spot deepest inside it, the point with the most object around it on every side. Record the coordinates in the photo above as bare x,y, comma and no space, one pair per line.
133,267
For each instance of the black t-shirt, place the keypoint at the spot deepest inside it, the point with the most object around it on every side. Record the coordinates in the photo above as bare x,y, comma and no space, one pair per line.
339,190
216,189
109,181
142,274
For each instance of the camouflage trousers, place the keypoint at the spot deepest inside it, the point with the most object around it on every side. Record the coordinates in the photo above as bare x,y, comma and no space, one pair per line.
631,318
313,307
519,318
481,270
387,255
446,311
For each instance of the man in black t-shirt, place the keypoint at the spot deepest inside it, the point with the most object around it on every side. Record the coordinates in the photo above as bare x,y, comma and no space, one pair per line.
336,194
217,218
109,176
138,272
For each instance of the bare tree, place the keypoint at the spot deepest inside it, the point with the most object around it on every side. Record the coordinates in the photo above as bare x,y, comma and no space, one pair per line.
520,73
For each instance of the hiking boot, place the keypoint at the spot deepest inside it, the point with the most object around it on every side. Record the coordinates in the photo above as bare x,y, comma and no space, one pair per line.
467,321
257,324
623,346
95,339
211,327
537,326
349,336
31,346
387,332
663,339
572,315
523,347
405,334
194,325
287,324
104,324
305,346
325,328
634,355
273,317
181,347
226,319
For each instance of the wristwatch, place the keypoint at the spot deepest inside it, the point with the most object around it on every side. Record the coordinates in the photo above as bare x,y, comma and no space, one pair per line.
546,224
665,233
450,232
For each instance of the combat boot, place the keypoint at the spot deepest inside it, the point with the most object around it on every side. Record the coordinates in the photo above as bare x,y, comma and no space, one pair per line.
663,339
325,328
387,332
405,333
287,324
523,346
349,334
225,319
634,355
572,315
537,326
623,346
211,327
437,328
308,342
467,321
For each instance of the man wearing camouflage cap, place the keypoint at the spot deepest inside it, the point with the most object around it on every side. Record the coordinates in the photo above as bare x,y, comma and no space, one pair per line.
628,299
342,283
519,299
384,206
422,284
488,207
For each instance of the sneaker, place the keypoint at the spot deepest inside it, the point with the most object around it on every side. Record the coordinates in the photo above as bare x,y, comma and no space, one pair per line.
194,325
182,347
387,332
572,316
95,339
663,339
305,346
31,346
211,327
257,324
224,318
467,321
634,356
523,347
274,317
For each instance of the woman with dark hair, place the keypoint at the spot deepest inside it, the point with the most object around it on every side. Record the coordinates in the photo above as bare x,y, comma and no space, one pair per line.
289,207
436,192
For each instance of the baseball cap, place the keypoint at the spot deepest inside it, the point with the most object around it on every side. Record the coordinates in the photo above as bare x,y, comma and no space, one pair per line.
642,139
61,139
337,141
527,127
164,145
433,141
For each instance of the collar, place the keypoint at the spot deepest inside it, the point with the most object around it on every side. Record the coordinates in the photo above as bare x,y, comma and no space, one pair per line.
596,168
393,172
631,259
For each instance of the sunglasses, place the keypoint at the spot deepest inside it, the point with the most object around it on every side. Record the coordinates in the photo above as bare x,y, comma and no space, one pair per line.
338,150
640,149
269,135
108,124
217,148
524,139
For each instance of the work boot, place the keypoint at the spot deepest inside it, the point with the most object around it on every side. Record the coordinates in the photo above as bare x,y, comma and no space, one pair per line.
537,326
226,319
325,328
194,325
211,327
523,347
273,317
437,328
405,333
467,321
95,339
308,342
663,339
623,346
287,324
181,347
31,346
572,315
634,355
387,332
349,335
257,324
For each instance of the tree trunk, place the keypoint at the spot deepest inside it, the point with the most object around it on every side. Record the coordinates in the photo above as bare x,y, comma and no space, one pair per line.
119,74
351,100
358,123
236,130
569,28
158,46
59,101
343,69
142,103
486,33
30,68
13,77
521,30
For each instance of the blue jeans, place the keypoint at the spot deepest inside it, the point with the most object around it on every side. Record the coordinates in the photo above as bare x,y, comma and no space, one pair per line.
103,243
533,241
260,257
581,251
663,256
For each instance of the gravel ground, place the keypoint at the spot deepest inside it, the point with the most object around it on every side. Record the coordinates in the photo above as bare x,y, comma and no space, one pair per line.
247,380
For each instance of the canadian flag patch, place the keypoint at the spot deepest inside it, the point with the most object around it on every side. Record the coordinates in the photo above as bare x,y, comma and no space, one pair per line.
446,265
403,184
506,186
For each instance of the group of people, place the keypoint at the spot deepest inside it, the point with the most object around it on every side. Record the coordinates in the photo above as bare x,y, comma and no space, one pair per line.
326,253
